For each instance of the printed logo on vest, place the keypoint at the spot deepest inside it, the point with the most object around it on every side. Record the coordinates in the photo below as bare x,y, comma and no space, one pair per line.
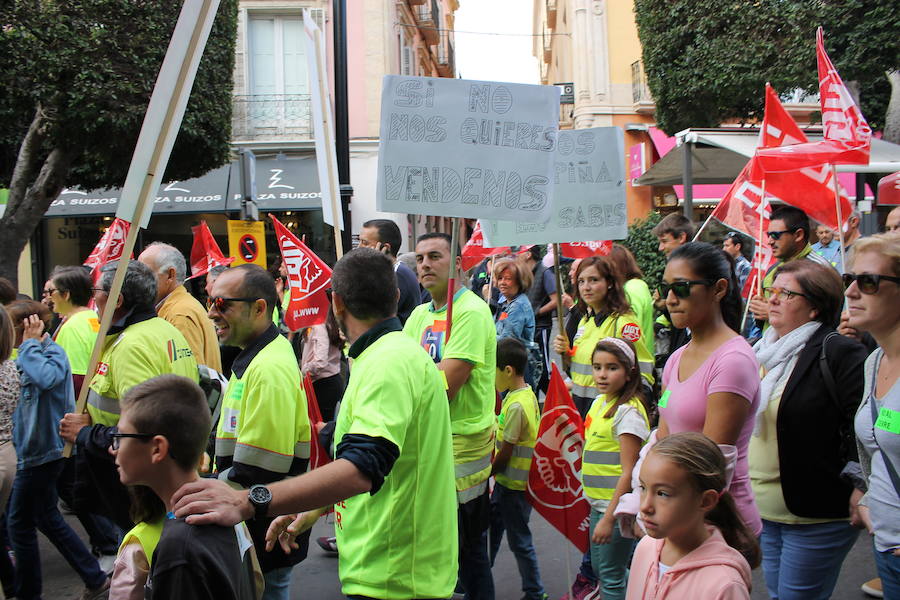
102,368
631,332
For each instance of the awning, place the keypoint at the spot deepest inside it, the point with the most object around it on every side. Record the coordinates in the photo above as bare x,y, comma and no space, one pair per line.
718,156
282,183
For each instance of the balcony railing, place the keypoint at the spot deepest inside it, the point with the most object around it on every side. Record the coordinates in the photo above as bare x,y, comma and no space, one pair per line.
429,20
640,93
445,57
270,116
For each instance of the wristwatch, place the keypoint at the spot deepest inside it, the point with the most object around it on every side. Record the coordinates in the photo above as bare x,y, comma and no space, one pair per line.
260,497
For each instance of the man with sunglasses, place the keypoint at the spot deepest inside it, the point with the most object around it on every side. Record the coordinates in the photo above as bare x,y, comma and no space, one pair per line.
789,237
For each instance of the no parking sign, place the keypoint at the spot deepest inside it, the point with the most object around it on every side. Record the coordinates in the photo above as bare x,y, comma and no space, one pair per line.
247,242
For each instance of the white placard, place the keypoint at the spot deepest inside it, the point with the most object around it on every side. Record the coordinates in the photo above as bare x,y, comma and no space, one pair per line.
588,201
166,109
459,148
323,123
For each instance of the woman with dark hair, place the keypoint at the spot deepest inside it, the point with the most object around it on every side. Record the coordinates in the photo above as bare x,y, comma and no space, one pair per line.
606,313
804,504
321,360
69,290
637,292
710,385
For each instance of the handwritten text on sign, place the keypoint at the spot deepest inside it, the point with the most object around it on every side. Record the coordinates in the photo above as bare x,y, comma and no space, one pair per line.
588,201
457,148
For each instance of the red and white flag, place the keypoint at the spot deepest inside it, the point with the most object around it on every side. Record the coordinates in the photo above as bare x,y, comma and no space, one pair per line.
554,482
205,252
109,248
475,251
308,277
848,137
317,454
585,249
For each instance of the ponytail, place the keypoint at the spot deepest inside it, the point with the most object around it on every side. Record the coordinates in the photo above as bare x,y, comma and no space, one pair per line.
704,463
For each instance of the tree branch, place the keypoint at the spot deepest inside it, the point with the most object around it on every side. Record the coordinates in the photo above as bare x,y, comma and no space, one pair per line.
26,161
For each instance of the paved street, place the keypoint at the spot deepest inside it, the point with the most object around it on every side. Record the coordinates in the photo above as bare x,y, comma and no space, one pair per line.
316,578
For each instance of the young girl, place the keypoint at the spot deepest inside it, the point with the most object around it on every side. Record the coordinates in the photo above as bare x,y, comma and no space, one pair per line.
697,545
615,428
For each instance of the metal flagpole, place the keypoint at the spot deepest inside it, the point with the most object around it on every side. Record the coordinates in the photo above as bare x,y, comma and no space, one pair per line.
451,283
759,240
702,227
840,223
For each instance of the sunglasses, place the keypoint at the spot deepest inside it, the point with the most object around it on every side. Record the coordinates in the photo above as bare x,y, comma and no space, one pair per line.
776,235
866,282
781,293
116,437
222,304
682,289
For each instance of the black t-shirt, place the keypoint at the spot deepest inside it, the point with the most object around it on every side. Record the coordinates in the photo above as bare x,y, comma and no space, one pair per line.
410,292
201,562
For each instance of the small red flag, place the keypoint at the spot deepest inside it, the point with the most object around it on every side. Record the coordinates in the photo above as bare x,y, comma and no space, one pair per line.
309,279
554,482
585,249
848,137
317,454
205,253
474,251
109,248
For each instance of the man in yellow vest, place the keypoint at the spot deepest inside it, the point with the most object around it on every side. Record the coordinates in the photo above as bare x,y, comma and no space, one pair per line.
392,478
138,346
178,307
263,433
468,363
519,421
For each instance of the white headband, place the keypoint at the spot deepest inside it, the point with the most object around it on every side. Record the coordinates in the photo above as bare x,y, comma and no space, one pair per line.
621,345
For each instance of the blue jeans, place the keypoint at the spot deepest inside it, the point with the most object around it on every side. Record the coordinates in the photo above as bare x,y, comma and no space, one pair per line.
33,506
510,511
804,561
610,561
889,570
278,584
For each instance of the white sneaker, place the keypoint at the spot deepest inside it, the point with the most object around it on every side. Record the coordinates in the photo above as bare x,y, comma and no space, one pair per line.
107,561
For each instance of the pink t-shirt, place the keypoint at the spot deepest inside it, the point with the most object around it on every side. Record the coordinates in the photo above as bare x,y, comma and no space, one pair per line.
731,368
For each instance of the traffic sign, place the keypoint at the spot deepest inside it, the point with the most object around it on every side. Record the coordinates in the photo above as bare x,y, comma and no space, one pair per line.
247,242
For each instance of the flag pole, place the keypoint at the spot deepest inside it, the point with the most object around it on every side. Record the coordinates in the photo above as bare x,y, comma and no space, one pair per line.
747,304
759,240
451,283
840,223
559,291
702,227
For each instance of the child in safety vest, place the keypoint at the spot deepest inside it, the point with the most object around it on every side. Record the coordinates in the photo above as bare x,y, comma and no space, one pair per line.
697,545
163,431
616,427
516,437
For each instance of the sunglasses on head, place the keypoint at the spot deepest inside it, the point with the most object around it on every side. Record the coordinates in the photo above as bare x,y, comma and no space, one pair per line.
867,282
682,289
776,235
221,303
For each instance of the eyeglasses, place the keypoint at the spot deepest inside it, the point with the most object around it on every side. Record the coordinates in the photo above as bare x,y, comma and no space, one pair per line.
95,290
781,293
49,291
776,235
116,437
682,289
867,282
222,304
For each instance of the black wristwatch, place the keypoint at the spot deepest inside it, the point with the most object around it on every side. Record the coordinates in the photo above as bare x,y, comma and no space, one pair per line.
260,497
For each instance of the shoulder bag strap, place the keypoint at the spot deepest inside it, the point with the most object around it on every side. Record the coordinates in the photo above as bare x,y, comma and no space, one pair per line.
830,385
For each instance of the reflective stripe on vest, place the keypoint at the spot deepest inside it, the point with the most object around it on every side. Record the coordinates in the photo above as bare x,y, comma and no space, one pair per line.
601,463
301,450
477,490
472,463
473,467
103,409
514,475
262,458
225,446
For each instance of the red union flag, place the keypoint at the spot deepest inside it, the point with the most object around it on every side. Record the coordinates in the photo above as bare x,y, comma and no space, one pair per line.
554,482
848,137
109,248
585,249
308,277
474,251
205,253
317,454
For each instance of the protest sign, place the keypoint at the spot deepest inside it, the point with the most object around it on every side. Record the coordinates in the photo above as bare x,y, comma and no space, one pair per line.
588,201
458,148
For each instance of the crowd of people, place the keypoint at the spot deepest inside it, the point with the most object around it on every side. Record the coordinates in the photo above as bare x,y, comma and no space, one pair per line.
720,434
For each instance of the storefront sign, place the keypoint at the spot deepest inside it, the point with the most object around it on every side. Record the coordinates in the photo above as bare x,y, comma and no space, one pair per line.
247,242
588,201
457,148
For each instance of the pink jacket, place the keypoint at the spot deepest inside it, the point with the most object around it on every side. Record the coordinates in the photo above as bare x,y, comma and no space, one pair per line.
714,571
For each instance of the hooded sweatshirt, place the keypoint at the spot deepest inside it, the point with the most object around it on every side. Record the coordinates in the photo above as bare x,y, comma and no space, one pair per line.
714,571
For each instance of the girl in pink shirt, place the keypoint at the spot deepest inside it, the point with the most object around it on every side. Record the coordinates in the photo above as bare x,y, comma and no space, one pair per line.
697,545
711,385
